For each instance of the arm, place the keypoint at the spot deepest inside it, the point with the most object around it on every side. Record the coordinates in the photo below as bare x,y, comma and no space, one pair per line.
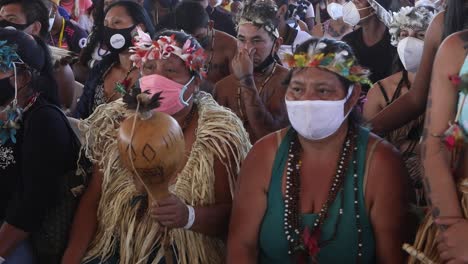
210,220
11,237
214,220
85,221
412,104
387,199
373,104
310,17
250,204
66,83
441,110
260,119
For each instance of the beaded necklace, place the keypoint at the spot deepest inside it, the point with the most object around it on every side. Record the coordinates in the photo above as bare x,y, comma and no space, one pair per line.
308,245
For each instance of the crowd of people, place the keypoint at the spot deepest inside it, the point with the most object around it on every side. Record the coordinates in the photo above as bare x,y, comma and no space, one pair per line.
233,131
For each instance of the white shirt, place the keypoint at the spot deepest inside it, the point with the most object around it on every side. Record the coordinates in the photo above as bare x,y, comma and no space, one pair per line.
301,37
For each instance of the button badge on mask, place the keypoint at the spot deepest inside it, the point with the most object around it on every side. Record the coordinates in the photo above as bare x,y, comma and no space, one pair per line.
117,41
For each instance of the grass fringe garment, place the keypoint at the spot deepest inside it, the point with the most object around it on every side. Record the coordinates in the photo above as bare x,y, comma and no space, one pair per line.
220,134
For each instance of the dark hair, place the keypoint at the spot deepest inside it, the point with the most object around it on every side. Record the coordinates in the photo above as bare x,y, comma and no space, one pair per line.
34,10
137,12
181,37
332,46
280,3
134,10
263,11
35,53
189,16
384,3
456,17
96,31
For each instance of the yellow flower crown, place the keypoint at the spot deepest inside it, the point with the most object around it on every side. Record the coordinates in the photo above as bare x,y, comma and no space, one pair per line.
334,62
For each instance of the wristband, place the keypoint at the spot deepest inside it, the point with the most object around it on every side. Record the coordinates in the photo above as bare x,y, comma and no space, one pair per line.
2,260
190,220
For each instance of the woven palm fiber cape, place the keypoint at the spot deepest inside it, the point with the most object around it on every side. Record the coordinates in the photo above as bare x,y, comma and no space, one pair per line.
151,146
122,227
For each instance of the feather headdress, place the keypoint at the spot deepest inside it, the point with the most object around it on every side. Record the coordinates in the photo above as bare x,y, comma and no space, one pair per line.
340,63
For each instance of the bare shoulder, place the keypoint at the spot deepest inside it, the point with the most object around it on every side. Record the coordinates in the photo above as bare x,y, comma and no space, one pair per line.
384,154
455,41
281,74
264,150
227,43
224,85
452,52
281,70
227,40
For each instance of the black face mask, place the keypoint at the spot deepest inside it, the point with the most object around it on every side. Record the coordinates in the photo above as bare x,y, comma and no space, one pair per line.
261,68
7,91
8,24
118,40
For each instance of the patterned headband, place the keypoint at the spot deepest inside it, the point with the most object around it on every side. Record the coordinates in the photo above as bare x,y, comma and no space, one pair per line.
269,27
146,49
338,63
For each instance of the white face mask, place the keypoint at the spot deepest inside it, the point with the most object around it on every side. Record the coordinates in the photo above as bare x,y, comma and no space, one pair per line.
410,52
335,10
51,19
51,23
351,13
317,119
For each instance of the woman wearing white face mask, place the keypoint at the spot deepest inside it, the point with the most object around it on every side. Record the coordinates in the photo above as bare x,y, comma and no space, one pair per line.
407,34
370,42
335,27
325,184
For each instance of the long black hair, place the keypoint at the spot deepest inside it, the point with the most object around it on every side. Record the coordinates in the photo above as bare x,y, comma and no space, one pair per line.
456,17
134,10
96,31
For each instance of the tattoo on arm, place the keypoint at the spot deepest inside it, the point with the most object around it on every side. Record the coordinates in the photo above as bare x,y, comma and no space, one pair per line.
261,118
247,81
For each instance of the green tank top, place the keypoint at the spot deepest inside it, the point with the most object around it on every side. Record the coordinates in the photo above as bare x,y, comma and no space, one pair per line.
462,100
343,249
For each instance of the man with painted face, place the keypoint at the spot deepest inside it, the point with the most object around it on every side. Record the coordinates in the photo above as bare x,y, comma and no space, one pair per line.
255,91
371,42
219,47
